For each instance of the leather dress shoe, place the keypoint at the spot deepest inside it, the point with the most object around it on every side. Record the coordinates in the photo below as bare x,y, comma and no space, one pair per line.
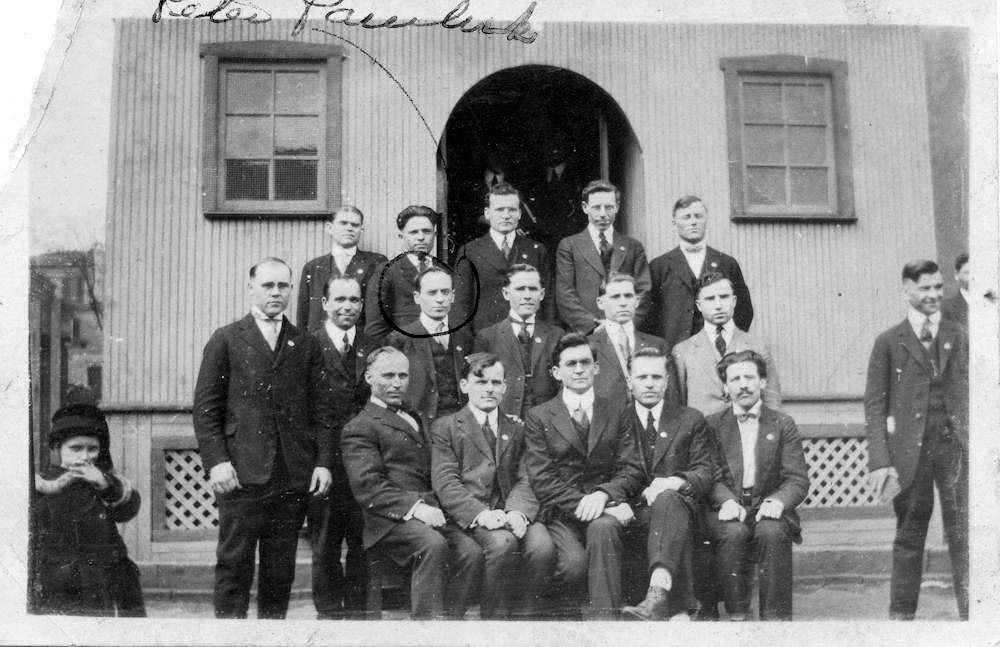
653,607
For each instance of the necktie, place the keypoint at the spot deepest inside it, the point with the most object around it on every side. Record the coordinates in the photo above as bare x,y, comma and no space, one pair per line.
442,338
624,344
347,345
505,248
720,341
743,417
271,332
692,249
491,438
605,247
424,263
341,261
522,334
651,427
926,337
580,417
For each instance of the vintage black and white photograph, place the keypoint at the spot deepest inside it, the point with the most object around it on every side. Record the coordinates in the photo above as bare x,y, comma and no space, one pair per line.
562,320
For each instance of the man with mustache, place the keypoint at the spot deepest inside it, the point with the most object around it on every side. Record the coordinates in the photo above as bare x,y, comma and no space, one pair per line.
760,478
479,296
344,260
387,453
265,426
523,342
917,423
584,261
479,477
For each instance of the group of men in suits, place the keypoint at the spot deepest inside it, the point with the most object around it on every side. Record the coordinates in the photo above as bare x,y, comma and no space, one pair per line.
451,423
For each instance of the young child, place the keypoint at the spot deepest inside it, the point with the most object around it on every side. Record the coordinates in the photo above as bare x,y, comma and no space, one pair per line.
80,561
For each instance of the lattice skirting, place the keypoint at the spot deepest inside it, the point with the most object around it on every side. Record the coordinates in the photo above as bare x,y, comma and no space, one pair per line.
837,473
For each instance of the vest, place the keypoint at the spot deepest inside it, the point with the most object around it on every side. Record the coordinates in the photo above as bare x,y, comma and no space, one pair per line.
447,382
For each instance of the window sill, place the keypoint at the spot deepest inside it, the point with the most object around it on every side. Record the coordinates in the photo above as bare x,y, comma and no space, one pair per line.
248,214
792,217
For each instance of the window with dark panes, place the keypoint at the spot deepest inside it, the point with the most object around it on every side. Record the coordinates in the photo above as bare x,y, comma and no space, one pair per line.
789,150
272,133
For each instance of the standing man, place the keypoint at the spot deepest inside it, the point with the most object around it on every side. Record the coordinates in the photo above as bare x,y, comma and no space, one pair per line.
479,477
479,295
584,469
389,295
523,342
387,452
435,350
917,422
956,308
264,423
673,315
344,260
761,477
584,260
617,339
339,592
696,358
676,457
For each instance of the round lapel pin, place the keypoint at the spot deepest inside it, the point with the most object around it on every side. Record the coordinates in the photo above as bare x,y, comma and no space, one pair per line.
291,343
663,434
770,436
538,340
505,437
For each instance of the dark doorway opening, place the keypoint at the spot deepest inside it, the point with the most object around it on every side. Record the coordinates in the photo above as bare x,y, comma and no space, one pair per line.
547,131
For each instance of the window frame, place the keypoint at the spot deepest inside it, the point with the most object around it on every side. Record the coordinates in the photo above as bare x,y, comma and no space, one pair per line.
273,54
781,68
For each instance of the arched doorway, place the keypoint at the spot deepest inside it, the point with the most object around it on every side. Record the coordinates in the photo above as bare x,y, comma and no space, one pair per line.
546,130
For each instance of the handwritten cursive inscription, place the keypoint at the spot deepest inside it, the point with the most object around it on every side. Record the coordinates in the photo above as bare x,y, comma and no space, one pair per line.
224,11
520,29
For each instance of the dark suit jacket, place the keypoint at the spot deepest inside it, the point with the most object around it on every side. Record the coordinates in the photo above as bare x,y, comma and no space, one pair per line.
465,473
698,382
672,313
579,273
423,390
392,286
309,311
896,394
683,448
562,471
492,269
501,340
955,308
246,399
388,465
611,381
782,473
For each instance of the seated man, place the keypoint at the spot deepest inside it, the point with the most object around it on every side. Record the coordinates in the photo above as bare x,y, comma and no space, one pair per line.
676,454
696,358
387,454
584,468
479,477
760,478
523,342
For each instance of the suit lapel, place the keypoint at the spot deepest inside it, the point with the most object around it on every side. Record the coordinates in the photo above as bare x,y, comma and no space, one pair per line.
252,335
393,420
563,423
946,341
606,354
667,432
333,358
597,425
766,450
508,339
908,339
734,447
467,422
585,245
362,347
712,259
705,357
286,341
678,263
539,341
492,254
618,247
505,434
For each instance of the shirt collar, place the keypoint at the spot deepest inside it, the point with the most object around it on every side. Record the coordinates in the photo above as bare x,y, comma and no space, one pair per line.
374,399
614,327
916,319
595,234
498,238
337,250
737,409
965,294
643,411
481,415
574,401
528,320
727,329
699,248
259,315
337,334
432,325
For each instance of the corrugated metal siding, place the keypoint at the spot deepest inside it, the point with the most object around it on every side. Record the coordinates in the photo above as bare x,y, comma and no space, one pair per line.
821,291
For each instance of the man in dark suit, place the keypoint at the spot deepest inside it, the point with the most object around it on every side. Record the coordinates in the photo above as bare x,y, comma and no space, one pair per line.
523,342
434,349
479,477
696,358
264,423
672,313
387,453
616,340
956,307
337,591
389,295
760,478
676,456
584,469
917,423
478,296
584,260
344,260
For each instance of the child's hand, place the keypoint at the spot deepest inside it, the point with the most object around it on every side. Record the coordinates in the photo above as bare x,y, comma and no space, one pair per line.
90,474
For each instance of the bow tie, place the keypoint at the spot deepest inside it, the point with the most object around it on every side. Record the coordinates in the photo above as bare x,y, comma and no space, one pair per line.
392,408
693,249
743,417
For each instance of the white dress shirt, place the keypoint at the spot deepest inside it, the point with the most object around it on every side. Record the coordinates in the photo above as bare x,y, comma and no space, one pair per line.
595,236
695,260
748,439
574,401
498,238
917,319
433,326
516,326
728,329
342,256
642,411
267,325
337,335
481,417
